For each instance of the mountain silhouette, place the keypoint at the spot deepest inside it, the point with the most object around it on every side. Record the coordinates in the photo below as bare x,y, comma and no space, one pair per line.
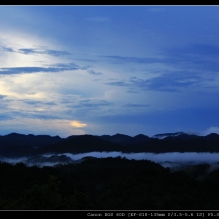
125,139
17,145
182,136
78,144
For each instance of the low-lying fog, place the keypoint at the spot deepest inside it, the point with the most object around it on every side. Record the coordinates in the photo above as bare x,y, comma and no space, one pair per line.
187,157
173,160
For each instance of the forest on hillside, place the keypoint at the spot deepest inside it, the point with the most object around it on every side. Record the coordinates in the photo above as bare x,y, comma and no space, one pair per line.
105,184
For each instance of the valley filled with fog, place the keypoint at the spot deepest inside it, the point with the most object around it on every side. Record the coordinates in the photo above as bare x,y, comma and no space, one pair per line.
174,160
167,171
195,155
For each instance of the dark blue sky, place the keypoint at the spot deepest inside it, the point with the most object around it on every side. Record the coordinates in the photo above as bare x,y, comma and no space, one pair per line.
67,70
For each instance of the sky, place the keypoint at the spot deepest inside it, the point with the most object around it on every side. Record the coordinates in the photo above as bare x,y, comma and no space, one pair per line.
74,70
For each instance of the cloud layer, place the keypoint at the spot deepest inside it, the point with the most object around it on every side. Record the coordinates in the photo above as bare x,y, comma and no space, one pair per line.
103,70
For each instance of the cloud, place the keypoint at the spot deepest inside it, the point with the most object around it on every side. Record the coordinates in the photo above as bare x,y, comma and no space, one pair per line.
94,73
38,115
35,102
127,60
173,160
169,82
135,105
31,51
90,103
201,50
176,157
198,57
87,108
190,74
191,64
5,116
77,124
36,126
7,49
2,96
118,83
210,130
133,91
29,70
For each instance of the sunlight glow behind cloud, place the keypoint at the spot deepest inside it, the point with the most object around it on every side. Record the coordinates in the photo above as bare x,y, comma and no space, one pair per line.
77,124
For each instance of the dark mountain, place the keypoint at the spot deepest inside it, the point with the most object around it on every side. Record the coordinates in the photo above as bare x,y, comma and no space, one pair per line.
139,143
79,144
140,139
198,144
125,139
212,136
71,136
21,145
32,140
182,137
117,138
17,145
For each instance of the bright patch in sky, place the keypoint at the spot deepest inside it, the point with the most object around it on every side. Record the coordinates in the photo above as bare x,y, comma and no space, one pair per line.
78,124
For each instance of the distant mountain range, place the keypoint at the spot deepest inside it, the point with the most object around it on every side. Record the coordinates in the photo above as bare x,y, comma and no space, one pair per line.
17,145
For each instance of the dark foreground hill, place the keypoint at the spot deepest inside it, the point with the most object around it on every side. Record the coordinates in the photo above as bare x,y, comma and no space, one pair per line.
105,184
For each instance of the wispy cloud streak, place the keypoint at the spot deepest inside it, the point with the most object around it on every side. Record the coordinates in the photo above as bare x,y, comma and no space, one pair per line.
31,51
29,70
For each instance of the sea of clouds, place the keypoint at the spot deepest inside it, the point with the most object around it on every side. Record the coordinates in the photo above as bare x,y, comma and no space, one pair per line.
172,160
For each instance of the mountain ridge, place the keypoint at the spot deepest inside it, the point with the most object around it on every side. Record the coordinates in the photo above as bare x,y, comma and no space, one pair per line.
15,144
